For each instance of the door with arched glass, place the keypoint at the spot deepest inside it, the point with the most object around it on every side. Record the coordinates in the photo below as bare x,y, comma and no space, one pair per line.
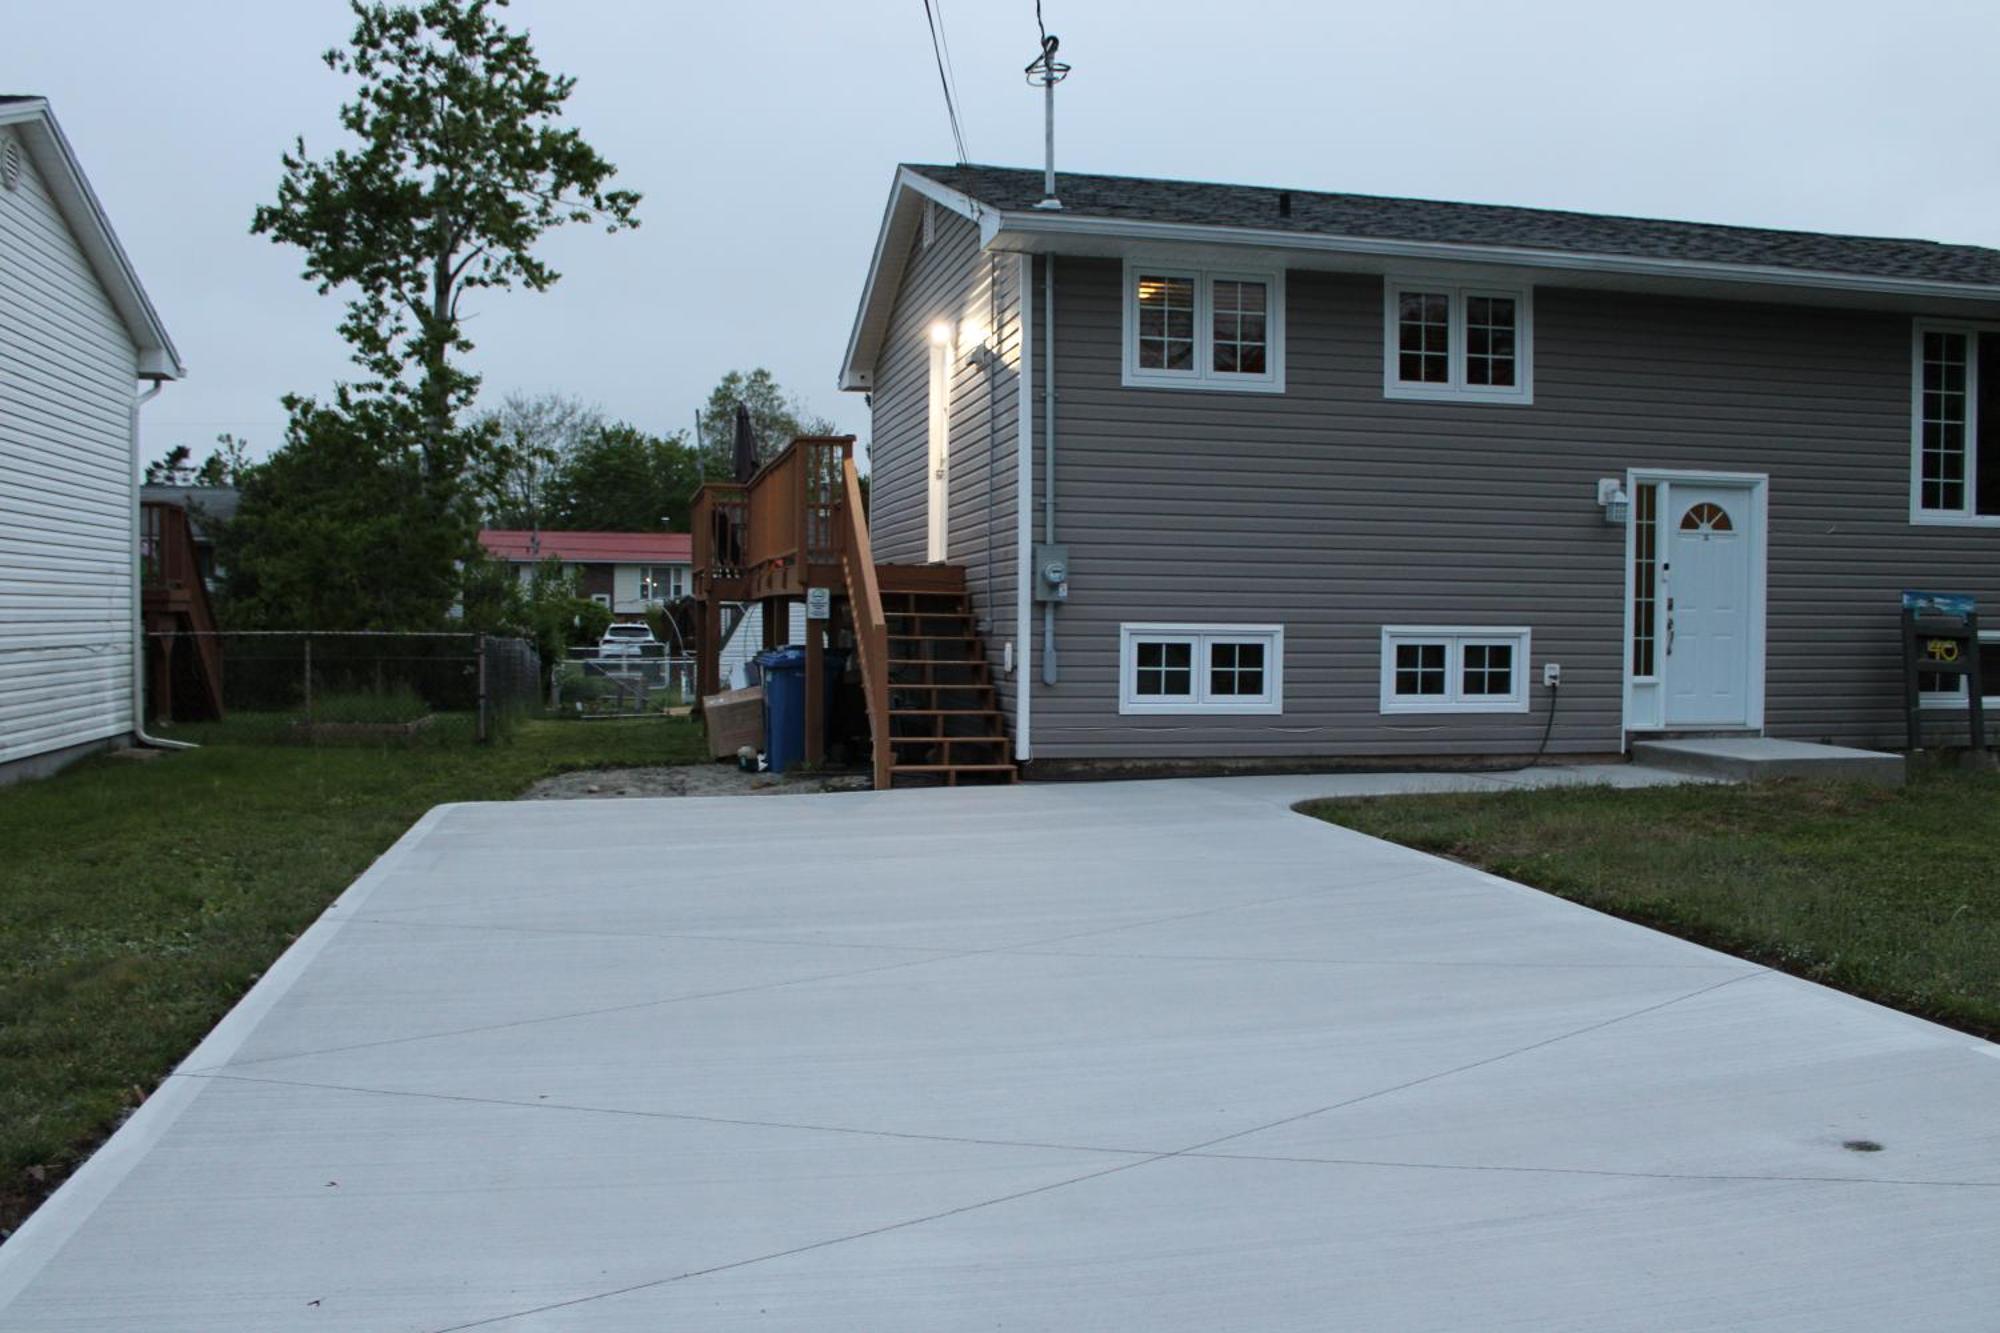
1708,622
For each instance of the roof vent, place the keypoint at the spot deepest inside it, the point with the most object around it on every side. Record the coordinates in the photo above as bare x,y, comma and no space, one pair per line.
10,165
1284,203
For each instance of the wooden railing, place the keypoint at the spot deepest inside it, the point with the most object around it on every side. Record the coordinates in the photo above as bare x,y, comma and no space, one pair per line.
871,627
721,509
771,531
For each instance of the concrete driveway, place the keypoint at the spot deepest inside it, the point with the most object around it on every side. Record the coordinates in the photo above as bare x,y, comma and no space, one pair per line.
1137,1056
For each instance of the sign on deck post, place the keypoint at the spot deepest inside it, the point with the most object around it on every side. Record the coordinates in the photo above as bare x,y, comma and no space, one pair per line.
819,603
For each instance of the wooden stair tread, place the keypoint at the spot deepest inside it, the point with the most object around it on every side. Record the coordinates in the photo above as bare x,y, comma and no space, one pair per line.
944,712
952,768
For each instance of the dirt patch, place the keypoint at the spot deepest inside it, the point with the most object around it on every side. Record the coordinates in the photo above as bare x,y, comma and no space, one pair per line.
688,780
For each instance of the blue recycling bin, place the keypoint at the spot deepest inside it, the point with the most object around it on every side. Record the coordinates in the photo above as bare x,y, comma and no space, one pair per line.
784,671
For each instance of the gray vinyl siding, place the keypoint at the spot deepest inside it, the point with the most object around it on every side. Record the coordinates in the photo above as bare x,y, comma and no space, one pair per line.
953,280
1335,511
67,371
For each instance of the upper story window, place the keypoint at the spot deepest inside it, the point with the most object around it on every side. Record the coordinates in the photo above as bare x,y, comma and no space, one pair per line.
1957,373
1451,343
1194,328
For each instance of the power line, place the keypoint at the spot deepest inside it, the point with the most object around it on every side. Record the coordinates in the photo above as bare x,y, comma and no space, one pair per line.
933,18
951,71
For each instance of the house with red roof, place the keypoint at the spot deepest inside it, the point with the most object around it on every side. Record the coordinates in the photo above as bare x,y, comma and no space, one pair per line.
626,572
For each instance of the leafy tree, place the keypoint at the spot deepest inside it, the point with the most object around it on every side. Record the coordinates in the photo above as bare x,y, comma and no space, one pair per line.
548,606
460,165
777,416
620,479
224,466
532,435
335,531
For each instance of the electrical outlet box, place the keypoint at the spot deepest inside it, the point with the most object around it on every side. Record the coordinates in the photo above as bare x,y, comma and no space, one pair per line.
1552,674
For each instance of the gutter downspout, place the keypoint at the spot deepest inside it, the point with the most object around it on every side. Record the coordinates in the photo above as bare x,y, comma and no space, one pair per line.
1049,673
139,596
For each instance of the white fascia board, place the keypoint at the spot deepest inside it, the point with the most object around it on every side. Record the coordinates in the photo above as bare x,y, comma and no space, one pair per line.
885,268
58,165
1036,231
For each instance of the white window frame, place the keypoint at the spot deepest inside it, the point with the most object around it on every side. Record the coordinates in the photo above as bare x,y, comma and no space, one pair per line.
1956,698
1204,375
1455,638
1199,701
1456,390
1968,516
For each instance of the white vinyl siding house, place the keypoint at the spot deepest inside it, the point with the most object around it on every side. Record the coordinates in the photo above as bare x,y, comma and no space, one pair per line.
69,363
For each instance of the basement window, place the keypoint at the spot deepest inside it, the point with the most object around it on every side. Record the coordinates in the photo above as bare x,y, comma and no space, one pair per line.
1201,669
1433,669
1191,328
1448,343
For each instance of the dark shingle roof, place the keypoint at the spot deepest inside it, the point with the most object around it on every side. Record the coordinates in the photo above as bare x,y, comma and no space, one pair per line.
1137,199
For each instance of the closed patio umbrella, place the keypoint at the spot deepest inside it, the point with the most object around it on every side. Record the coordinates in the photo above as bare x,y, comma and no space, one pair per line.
744,459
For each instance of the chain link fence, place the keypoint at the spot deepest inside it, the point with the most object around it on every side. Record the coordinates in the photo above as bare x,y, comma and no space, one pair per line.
316,687
621,680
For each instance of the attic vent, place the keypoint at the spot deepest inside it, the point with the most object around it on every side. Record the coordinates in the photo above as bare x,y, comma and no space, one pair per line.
10,165
1284,203
930,222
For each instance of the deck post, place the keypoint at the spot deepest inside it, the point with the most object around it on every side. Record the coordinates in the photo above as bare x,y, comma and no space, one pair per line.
708,646
815,693
163,678
777,620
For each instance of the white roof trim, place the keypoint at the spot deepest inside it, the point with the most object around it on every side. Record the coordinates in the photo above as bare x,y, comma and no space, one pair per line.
997,229
56,161
885,269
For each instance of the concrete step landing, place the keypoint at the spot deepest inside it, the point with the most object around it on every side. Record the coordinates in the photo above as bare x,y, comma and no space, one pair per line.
1754,758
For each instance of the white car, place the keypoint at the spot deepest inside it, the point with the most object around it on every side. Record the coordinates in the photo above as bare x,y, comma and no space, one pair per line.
627,639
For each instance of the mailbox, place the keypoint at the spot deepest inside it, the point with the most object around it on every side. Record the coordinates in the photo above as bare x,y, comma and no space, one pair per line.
1941,638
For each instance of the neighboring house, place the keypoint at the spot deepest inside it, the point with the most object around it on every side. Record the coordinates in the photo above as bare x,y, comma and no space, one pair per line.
205,506
746,640
78,336
625,572
1334,476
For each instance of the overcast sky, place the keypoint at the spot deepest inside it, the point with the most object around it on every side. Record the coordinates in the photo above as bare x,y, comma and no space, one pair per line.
764,135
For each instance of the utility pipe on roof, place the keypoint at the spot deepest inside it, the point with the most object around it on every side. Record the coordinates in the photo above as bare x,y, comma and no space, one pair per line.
139,595
1049,672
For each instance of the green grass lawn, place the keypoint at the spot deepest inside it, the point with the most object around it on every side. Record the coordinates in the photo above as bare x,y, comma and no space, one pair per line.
1892,895
140,899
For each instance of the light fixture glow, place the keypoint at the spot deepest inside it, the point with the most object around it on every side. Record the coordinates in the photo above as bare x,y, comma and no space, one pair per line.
940,333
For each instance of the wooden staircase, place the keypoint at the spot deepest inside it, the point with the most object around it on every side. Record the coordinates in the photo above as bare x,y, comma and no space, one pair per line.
944,721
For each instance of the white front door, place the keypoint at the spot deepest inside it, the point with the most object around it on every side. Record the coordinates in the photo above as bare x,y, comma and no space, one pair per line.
1709,543
940,451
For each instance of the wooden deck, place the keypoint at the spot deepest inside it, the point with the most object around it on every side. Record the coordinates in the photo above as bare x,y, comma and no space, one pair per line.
183,652
800,525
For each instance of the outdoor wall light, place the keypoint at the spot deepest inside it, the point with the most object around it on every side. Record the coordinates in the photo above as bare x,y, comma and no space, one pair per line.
941,334
1616,504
